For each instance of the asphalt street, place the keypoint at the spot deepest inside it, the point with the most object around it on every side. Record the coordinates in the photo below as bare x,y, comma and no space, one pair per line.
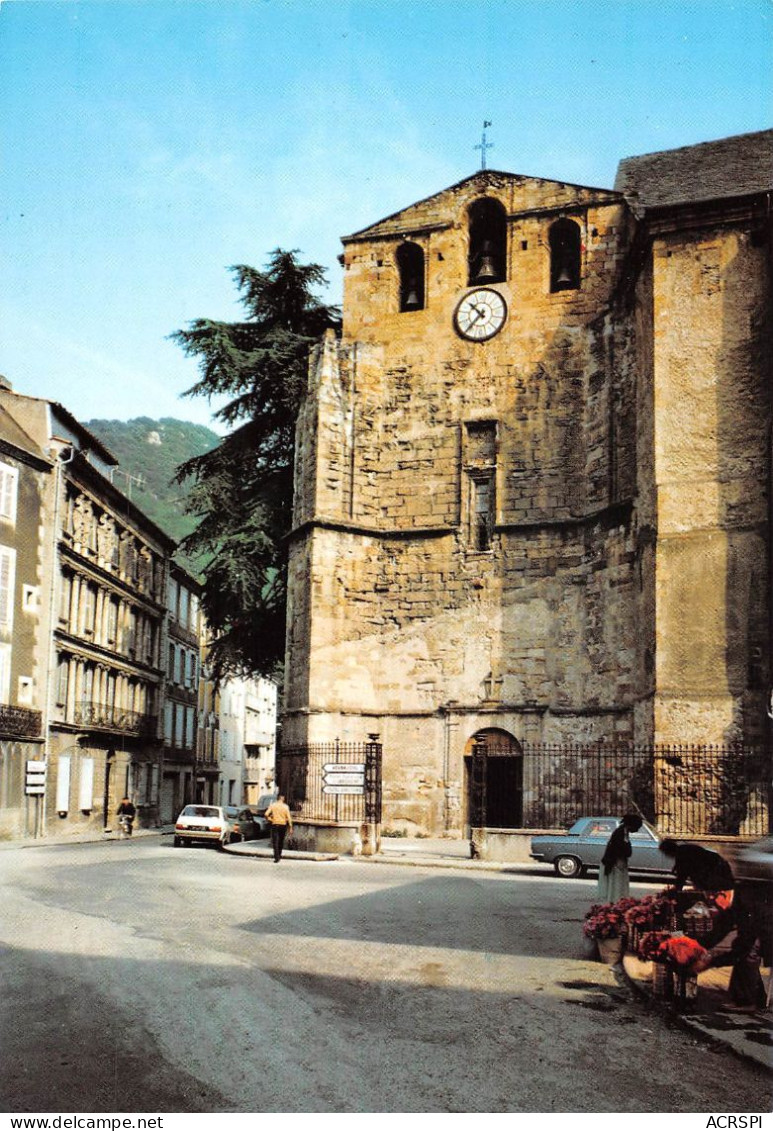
139,977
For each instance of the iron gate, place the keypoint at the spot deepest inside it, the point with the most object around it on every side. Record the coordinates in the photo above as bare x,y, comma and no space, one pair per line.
303,771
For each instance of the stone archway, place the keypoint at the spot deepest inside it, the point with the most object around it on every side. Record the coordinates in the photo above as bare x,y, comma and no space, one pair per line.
494,765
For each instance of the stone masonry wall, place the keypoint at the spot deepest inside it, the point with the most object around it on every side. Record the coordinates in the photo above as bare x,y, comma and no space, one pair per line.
712,426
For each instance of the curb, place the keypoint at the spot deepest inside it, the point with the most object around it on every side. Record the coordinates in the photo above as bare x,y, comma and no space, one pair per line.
244,848
749,1036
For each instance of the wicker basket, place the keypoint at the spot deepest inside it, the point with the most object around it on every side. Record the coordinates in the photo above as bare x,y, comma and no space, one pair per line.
662,980
685,991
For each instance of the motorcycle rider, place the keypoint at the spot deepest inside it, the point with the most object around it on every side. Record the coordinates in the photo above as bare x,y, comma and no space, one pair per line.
126,813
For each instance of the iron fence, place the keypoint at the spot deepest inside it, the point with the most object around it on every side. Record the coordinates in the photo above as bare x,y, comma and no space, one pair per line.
332,781
682,789
107,716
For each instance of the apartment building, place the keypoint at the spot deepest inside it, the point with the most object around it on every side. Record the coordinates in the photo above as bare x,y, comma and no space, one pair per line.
183,644
87,572
25,582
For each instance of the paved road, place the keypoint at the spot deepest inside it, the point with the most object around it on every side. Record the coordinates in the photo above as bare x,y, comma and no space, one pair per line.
138,977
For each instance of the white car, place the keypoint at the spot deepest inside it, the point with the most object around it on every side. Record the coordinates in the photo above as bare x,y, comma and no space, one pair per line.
212,823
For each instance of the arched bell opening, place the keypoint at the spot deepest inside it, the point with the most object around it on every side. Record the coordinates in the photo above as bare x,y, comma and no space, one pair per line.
565,255
487,251
410,265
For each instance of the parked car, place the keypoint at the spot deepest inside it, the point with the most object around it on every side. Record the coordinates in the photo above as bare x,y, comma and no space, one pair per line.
581,848
259,813
240,818
751,862
213,823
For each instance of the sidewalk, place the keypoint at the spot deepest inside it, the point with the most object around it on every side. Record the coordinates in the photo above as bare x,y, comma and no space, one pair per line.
746,1035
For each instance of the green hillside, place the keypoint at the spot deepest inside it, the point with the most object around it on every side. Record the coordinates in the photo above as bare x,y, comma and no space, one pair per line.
149,453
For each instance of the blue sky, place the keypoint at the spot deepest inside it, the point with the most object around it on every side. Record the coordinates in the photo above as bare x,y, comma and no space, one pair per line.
147,145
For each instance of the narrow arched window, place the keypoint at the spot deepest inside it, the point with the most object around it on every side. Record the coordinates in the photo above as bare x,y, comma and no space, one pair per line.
565,245
410,264
487,255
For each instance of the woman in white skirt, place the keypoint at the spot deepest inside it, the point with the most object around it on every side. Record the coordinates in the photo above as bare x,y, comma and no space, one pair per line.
613,873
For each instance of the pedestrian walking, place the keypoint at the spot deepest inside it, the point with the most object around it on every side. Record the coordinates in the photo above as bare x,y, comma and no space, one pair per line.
613,873
279,817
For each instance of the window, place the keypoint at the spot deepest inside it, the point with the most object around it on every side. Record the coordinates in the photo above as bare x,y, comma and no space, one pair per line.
481,510
410,264
87,686
112,621
169,723
89,609
7,577
565,249
64,600
5,673
480,458
62,682
30,598
487,249
132,633
9,477
172,597
190,669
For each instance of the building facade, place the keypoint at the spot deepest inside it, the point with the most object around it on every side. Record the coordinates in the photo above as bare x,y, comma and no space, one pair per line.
247,716
260,720
532,476
96,611
25,613
181,705
207,784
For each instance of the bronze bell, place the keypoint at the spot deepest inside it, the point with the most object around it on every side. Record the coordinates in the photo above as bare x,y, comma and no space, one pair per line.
487,270
411,301
564,277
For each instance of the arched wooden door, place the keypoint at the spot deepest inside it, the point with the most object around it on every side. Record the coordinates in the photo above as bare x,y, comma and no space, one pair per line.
494,762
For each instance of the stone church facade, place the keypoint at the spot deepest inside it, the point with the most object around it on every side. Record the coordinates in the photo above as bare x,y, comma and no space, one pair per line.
532,475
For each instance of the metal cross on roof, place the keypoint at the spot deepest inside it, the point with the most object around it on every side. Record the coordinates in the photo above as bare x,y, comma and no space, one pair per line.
484,145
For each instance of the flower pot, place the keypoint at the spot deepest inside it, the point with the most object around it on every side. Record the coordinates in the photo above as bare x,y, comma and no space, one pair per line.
610,951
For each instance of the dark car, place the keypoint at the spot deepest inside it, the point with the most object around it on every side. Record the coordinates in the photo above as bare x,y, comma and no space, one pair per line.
581,848
241,821
751,862
259,813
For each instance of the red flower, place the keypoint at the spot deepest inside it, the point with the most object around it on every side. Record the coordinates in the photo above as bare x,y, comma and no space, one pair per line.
682,952
650,946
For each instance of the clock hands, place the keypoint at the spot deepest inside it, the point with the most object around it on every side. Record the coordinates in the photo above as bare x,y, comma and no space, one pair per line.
480,315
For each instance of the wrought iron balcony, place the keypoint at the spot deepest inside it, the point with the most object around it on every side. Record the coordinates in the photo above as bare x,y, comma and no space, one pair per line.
19,722
103,716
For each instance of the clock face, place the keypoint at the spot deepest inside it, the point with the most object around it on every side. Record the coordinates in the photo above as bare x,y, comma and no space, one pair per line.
480,314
